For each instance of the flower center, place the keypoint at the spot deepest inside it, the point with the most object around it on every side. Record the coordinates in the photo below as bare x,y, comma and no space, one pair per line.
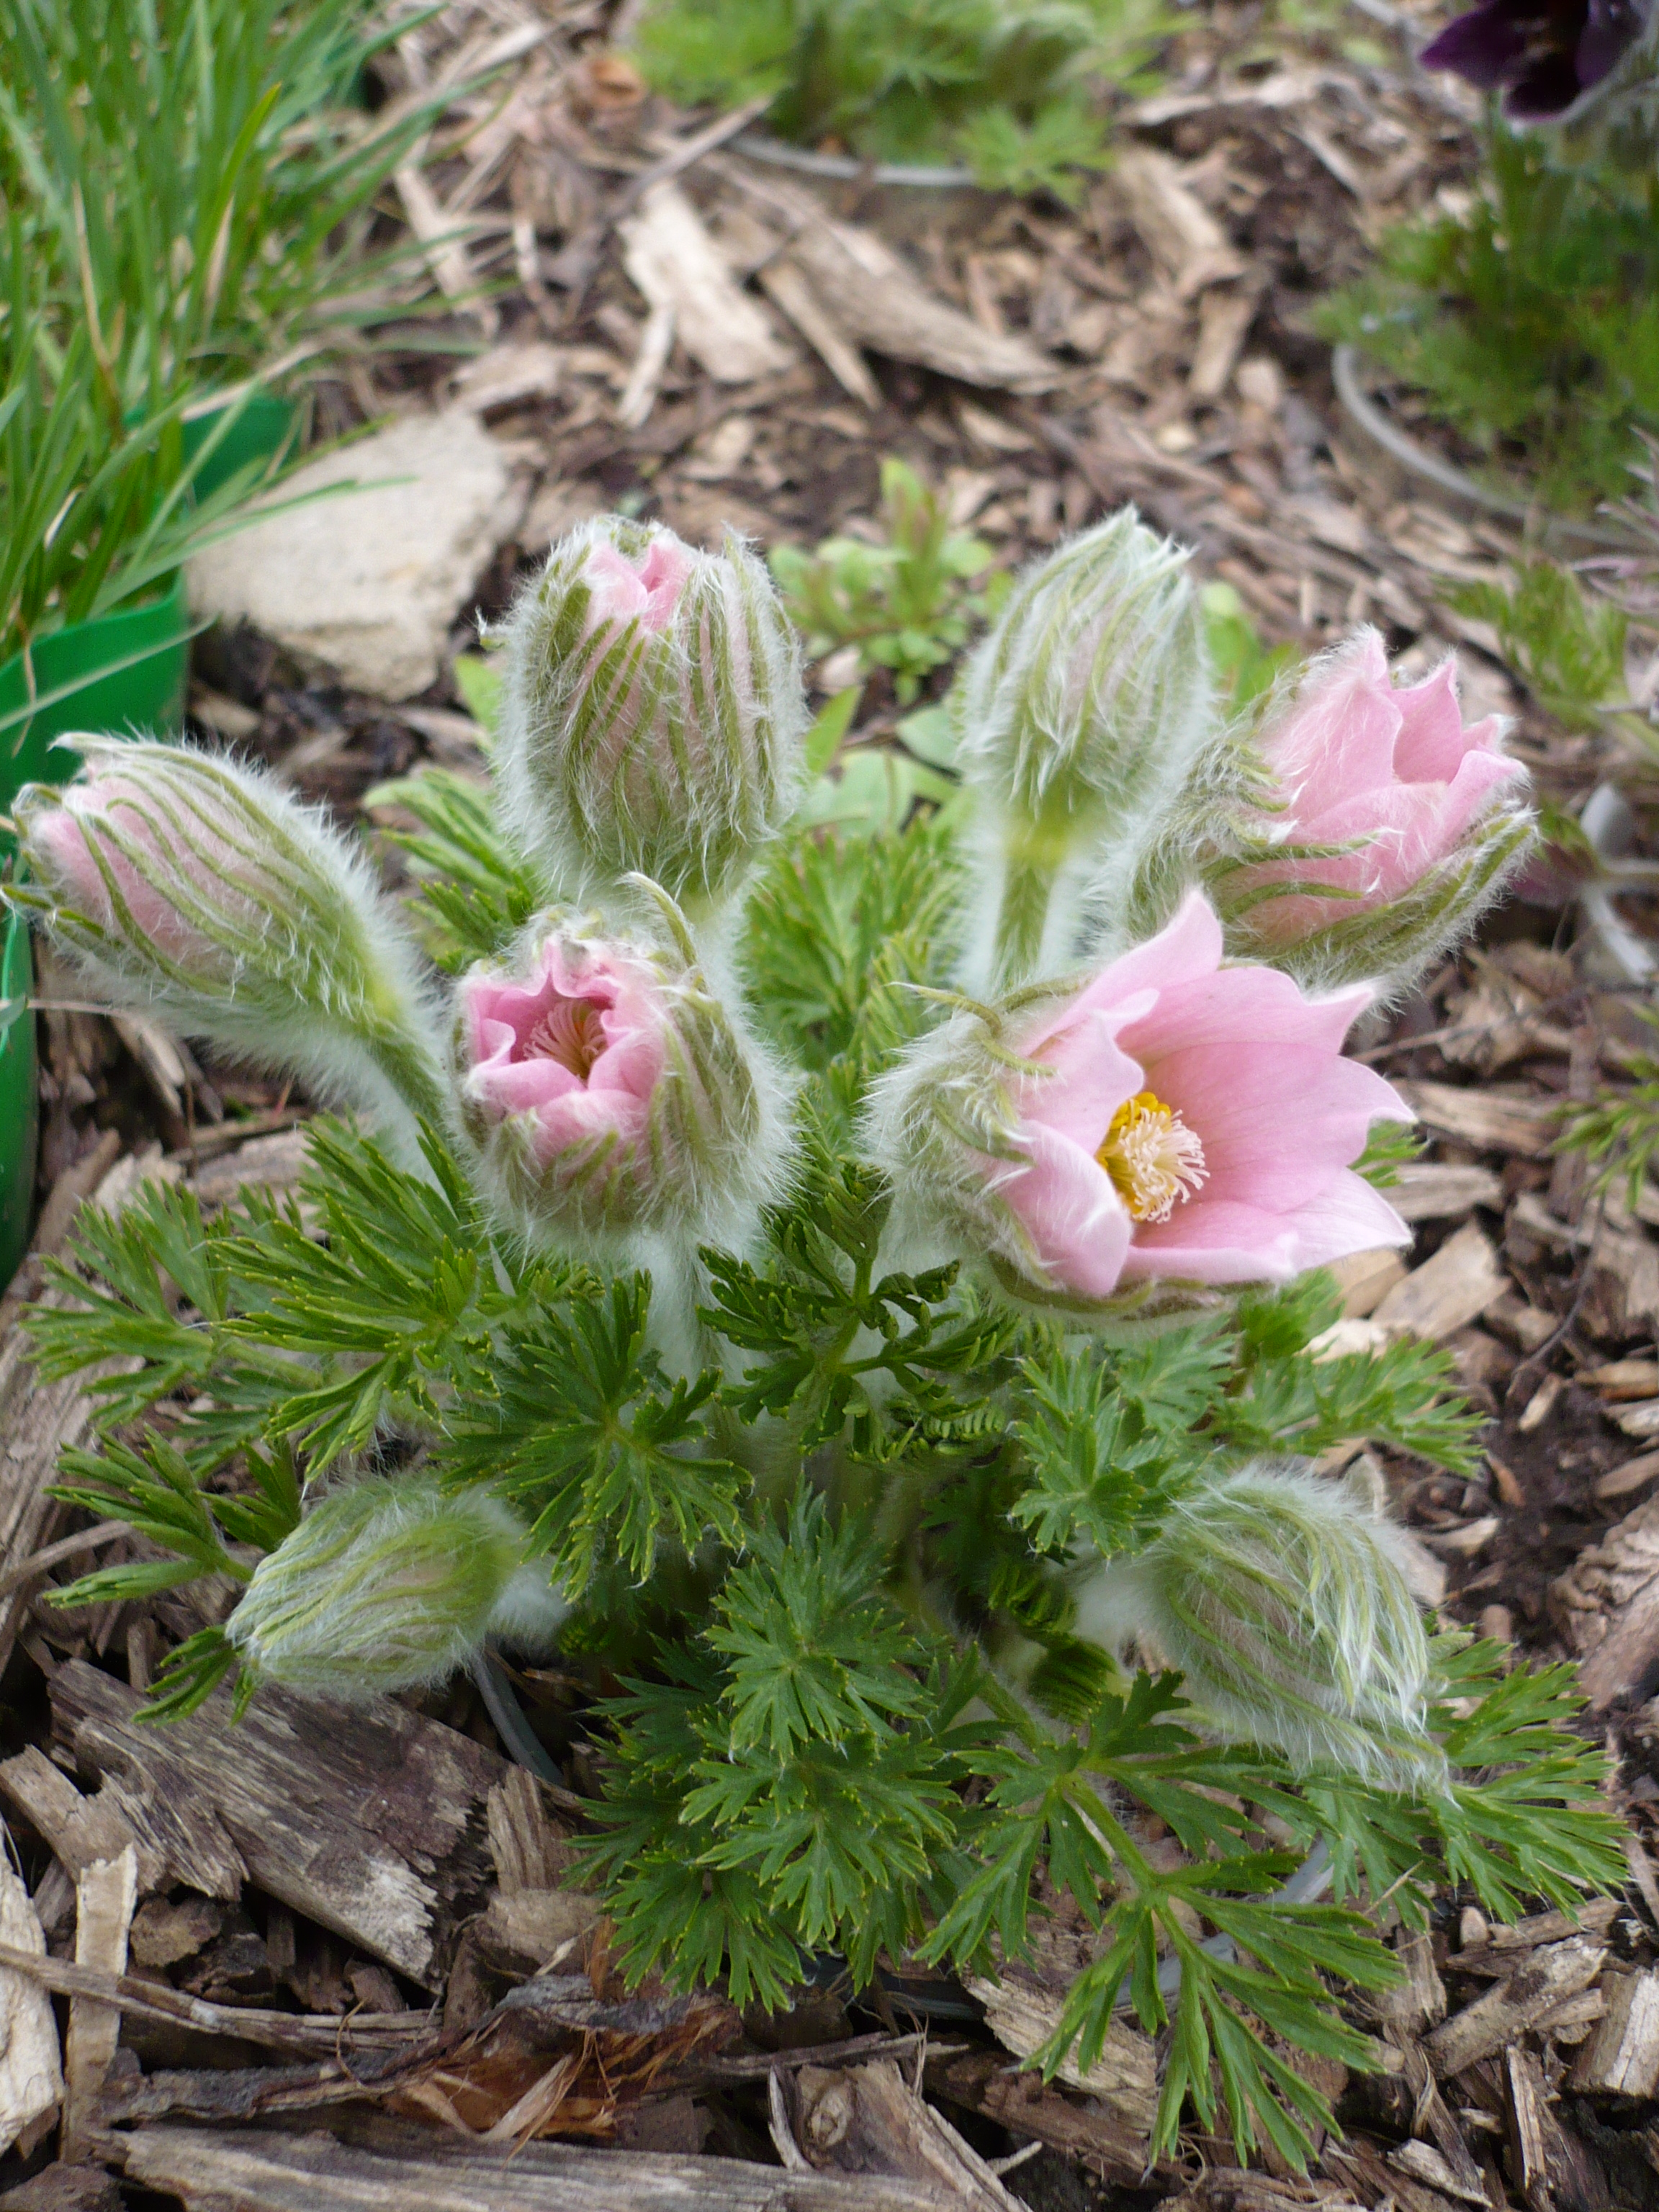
1152,1157
571,1032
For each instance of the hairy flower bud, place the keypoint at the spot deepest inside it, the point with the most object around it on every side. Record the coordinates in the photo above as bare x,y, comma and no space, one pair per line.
1172,1120
1386,827
652,712
601,1086
1280,1596
1080,717
386,1584
186,887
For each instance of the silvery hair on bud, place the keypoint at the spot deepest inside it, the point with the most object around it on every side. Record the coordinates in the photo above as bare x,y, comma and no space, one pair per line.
1084,711
718,1146
675,753
287,952
1281,1597
389,1584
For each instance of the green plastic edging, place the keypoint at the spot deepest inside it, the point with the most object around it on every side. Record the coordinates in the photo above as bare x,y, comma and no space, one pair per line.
122,675
19,1094
264,424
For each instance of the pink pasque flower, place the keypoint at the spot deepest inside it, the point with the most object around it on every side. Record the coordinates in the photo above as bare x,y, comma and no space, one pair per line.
1196,1121
621,591
1393,771
162,869
574,1053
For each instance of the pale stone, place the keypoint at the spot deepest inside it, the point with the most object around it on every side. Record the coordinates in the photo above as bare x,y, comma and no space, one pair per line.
370,581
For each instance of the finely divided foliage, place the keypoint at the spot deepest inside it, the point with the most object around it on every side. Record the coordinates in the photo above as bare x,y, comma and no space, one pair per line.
881,1561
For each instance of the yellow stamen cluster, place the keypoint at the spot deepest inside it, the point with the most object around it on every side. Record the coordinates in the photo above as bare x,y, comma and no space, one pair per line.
1152,1157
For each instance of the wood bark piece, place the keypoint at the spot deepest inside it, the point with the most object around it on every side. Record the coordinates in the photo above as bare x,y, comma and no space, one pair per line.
1179,231
1550,2168
214,2170
671,257
368,1818
1554,1971
1427,1191
1485,1119
171,1847
868,2120
1022,2015
881,302
309,2035
38,1421
1448,1292
787,286
1621,2058
31,2073
1607,1602
105,1898
1420,2001
1082,2128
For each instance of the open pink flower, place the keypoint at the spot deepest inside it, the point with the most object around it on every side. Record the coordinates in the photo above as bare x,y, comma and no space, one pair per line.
1392,771
574,1052
1196,1121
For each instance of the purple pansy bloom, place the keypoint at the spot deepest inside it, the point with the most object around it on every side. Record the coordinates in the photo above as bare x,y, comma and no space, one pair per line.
1543,53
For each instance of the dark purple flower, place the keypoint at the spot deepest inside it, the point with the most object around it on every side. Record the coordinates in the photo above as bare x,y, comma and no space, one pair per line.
1543,53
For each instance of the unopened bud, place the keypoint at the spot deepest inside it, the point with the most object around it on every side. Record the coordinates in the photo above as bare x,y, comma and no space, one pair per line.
388,1584
1386,825
1280,1598
186,887
601,1086
1080,718
652,712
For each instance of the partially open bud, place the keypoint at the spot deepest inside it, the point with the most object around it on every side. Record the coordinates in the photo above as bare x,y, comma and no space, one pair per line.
184,886
1281,1597
1080,718
1386,826
388,1584
601,1086
652,712
1170,1121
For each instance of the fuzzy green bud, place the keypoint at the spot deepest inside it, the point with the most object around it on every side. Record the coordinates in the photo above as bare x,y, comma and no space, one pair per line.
1080,717
652,712
190,889
601,1086
387,1584
1281,1597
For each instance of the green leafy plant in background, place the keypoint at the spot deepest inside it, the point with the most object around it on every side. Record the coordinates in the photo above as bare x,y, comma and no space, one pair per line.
197,182
97,502
905,602
1011,88
1529,321
1567,645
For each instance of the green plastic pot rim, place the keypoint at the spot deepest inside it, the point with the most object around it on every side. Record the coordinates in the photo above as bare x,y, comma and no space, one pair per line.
44,700
1361,409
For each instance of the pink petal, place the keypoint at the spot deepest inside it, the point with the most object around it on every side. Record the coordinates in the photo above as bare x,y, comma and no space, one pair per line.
1091,1077
1339,736
1432,738
1276,1122
1228,1241
1186,947
1238,1007
1064,1202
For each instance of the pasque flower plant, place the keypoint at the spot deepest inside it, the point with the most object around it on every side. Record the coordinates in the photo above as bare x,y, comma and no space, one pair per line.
860,1291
